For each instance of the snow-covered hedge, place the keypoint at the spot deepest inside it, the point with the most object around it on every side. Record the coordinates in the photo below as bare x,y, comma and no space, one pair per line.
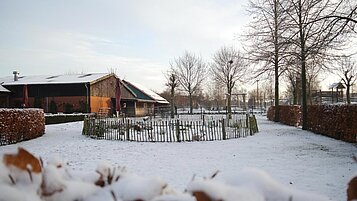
336,121
25,177
20,124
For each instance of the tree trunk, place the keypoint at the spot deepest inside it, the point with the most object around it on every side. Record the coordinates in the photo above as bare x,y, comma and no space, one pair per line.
191,103
276,64
348,95
229,105
309,93
172,102
304,99
277,112
303,68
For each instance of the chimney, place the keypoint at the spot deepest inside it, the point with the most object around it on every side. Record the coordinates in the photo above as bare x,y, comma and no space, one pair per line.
16,75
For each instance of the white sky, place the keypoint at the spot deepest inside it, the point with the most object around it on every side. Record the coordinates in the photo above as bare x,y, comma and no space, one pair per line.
135,38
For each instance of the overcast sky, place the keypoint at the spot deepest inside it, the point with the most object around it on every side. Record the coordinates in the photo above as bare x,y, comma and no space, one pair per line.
136,38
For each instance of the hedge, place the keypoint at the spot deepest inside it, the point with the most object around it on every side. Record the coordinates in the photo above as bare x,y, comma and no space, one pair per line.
20,124
63,118
336,121
289,114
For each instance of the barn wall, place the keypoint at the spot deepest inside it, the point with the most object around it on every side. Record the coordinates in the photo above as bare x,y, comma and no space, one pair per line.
66,104
99,102
143,109
125,94
104,88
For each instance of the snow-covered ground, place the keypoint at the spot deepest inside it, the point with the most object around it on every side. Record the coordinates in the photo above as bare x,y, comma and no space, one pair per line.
294,157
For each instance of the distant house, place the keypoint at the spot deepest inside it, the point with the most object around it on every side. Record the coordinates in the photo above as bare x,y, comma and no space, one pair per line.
90,92
146,101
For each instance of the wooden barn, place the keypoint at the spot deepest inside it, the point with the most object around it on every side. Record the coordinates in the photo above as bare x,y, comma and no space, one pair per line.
92,92
62,93
146,102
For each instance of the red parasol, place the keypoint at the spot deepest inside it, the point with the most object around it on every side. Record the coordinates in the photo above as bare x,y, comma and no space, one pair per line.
117,96
25,96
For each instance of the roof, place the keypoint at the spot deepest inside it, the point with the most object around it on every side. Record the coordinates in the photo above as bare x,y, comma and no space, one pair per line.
145,93
3,89
53,79
337,85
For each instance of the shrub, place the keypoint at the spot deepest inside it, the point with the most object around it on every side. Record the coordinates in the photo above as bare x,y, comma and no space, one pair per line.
289,114
336,121
53,107
20,124
63,118
68,108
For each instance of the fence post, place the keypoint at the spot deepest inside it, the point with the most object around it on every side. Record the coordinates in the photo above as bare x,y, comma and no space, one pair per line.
255,125
224,130
178,130
85,130
247,120
250,125
127,130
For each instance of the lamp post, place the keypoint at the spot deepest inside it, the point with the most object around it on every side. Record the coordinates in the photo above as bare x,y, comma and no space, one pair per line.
229,90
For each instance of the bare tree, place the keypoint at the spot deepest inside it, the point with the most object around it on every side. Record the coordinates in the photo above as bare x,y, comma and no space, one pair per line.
215,94
313,35
172,82
190,71
347,71
267,40
227,68
313,70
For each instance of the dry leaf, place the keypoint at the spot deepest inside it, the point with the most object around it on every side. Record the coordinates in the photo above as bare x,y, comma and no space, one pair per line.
201,196
23,160
352,190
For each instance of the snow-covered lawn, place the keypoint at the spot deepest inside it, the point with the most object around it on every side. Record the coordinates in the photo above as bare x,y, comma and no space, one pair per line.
294,157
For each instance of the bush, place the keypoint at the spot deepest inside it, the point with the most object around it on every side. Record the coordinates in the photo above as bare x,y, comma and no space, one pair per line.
53,107
336,121
20,124
289,114
68,108
63,118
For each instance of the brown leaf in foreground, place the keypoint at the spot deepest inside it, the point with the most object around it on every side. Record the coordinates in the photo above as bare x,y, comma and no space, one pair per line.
201,196
352,189
23,160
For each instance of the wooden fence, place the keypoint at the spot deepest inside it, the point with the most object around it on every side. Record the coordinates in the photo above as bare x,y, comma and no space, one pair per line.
168,130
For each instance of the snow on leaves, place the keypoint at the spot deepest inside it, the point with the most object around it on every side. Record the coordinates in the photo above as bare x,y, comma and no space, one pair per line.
23,177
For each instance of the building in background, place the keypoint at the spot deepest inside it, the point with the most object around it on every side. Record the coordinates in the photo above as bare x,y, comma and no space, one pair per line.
146,101
4,96
92,92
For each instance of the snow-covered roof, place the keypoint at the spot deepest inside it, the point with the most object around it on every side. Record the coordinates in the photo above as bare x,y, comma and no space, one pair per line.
150,93
338,85
52,79
3,89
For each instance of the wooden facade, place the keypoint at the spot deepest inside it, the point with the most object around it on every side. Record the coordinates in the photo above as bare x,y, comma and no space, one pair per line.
78,96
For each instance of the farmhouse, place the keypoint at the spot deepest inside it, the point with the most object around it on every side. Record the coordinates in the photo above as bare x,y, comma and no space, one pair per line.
92,92
146,101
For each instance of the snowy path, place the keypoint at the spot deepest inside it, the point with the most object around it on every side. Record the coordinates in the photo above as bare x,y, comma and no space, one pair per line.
294,157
